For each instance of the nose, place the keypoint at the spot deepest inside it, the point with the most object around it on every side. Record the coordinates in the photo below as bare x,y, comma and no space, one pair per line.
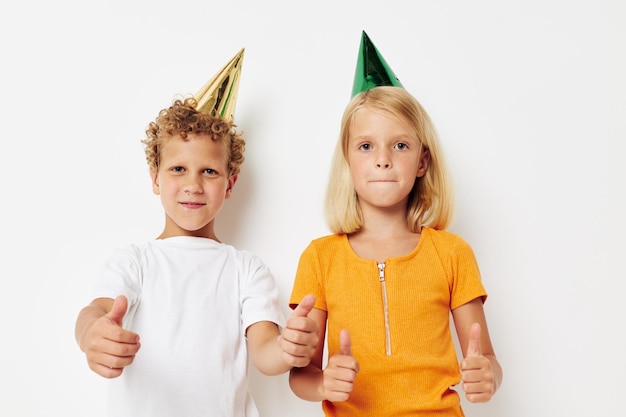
383,160
192,185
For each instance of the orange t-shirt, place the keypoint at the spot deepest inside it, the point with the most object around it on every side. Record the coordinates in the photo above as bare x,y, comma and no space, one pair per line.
407,360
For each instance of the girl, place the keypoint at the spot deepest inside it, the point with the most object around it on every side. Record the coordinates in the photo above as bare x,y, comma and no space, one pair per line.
389,276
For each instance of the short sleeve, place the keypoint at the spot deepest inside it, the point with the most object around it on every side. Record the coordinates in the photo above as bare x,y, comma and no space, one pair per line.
259,294
308,279
119,275
467,282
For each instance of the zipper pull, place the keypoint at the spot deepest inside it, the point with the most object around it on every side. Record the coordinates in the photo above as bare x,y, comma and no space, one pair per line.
381,271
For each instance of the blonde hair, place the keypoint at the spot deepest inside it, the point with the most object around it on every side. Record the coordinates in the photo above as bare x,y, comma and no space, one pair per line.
182,119
430,201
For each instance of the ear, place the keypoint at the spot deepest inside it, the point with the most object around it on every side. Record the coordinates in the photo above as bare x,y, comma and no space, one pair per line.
423,163
231,183
154,176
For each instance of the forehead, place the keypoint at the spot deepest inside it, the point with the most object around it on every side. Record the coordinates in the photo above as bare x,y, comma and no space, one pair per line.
199,145
370,121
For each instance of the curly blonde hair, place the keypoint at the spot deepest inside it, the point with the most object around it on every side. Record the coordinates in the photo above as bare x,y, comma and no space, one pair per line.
182,119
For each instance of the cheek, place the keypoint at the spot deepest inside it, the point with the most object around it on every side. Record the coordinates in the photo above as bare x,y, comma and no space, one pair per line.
355,174
167,186
356,168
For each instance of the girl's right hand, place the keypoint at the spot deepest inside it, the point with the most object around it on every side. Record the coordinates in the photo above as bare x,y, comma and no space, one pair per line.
341,371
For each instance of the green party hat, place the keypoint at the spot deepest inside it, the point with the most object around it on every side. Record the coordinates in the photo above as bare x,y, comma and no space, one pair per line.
219,94
371,69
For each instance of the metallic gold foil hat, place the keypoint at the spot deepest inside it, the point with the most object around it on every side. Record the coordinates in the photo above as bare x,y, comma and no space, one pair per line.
371,69
219,94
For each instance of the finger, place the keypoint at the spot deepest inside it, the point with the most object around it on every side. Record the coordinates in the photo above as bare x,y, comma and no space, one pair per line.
473,346
106,371
118,311
345,344
305,306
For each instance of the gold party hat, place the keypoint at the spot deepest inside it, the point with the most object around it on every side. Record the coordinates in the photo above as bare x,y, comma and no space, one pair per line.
219,94
371,69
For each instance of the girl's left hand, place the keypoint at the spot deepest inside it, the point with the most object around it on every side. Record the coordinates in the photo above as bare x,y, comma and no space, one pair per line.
477,376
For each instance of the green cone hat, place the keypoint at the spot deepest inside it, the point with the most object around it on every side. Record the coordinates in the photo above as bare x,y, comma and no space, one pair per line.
371,69
219,94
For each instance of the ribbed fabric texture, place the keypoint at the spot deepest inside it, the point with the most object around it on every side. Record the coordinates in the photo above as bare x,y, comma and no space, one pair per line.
422,288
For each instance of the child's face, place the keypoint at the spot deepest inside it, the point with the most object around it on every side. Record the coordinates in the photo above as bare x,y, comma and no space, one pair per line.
385,158
193,182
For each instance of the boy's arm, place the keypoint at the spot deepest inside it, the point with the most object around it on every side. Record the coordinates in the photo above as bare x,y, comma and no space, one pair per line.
88,315
99,333
274,353
265,351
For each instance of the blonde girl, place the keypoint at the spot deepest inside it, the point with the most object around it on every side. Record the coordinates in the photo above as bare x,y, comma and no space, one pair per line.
389,276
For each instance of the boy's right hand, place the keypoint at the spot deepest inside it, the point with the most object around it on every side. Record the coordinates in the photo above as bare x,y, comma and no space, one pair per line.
340,373
109,347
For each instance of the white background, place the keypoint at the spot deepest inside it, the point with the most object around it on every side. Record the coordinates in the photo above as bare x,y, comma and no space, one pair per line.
529,98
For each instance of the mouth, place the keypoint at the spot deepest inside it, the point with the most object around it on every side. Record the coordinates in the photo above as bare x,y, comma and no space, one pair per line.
191,204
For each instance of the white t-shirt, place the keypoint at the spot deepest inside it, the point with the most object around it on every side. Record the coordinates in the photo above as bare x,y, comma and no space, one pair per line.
190,300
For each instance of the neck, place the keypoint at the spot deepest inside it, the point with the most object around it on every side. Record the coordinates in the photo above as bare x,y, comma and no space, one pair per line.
172,230
384,222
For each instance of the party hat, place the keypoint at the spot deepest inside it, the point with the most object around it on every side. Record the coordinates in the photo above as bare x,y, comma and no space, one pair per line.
371,69
219,94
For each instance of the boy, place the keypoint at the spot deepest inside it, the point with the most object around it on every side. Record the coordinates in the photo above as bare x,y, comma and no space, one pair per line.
198,305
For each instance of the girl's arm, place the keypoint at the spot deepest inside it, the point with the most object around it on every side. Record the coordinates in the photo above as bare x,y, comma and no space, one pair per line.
333,383
481,372
308,382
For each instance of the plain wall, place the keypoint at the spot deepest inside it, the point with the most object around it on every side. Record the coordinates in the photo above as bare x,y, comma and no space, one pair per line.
529,98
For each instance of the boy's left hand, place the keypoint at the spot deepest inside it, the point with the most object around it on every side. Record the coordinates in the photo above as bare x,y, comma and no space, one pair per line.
299,338
477,374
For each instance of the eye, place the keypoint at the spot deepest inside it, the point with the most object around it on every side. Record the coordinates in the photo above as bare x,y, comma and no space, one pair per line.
178,169
402,146
210,171
365,147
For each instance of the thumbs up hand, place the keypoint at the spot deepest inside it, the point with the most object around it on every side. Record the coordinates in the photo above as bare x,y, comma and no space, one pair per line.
300,337
477,375
108,347
118,311
341,371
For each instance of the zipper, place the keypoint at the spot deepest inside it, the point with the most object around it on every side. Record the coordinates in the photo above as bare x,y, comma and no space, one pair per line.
381,277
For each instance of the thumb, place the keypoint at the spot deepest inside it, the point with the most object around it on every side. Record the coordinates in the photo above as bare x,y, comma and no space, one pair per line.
118,311
473,346
345,344
305,306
